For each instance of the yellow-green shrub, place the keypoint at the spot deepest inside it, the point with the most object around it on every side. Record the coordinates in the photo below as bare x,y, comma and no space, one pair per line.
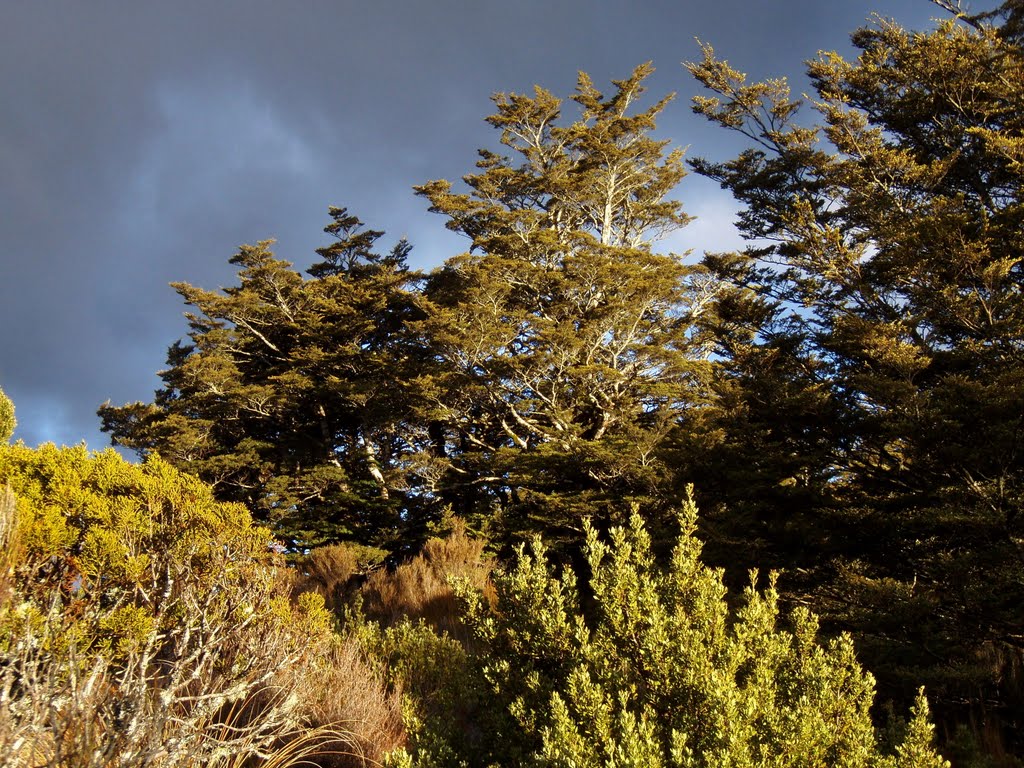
142,621
660,672
7,421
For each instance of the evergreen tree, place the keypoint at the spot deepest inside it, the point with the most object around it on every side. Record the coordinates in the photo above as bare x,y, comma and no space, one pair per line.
564,336
889,236
293,394
762,448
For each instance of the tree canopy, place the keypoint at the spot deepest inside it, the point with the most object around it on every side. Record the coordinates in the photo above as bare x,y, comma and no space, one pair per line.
846,392
564,337
885,244
292,394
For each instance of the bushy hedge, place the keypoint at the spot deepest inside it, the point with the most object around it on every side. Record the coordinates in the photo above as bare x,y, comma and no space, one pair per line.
142,623
656,671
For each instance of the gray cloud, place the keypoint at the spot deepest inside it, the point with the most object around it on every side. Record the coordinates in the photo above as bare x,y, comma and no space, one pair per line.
143,142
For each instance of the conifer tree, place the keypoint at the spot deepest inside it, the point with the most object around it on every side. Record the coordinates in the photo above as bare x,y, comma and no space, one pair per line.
889,237
564,335
762,448
292,394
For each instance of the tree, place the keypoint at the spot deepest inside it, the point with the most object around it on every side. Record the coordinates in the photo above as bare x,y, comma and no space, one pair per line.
294,394
564,338
7,420
762,447
889,236
662,673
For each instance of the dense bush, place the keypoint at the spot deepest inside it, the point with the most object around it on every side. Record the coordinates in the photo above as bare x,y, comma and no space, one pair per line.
7,421
417,629
656,671
421,589
143,623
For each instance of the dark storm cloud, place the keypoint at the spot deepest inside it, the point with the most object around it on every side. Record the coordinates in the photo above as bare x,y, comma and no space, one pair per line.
142,142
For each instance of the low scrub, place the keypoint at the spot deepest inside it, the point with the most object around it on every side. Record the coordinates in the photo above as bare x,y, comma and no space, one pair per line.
657,671
421,589
142,623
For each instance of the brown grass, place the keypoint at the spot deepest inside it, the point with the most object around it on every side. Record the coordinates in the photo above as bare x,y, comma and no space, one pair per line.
342,691
421,589
328,571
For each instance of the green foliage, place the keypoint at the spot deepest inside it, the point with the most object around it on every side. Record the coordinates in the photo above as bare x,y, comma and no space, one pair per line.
140,618
883,275
660,672
293,394
7,420
120,553
447,703
142,622
564,335
93,524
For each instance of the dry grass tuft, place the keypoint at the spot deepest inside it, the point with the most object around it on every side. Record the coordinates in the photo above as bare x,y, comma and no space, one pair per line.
344,693
421,589
328,571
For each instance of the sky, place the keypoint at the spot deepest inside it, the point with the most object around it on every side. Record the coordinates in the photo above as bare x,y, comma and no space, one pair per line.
142,142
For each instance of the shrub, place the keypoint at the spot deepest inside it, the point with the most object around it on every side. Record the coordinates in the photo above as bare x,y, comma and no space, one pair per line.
143,625
7,420
422,642
661,673
327,571
447,700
